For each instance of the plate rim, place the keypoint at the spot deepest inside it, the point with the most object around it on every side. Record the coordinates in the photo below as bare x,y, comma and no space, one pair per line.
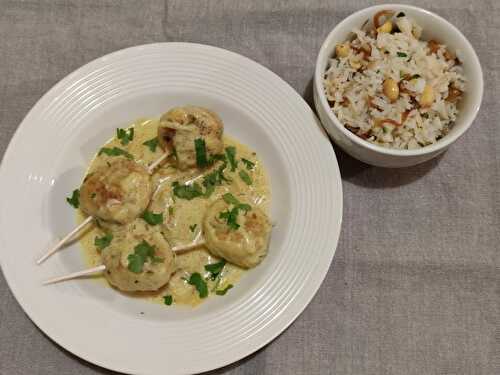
302,304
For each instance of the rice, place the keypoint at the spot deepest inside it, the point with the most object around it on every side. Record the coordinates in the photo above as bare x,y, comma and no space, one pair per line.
393,89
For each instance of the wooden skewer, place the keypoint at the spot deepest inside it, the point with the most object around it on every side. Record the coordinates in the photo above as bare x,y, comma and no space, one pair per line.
194,245
153,165
87,272
65,239
102,267
87,221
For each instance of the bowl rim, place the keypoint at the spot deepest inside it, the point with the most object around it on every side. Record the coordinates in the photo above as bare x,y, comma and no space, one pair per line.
435,147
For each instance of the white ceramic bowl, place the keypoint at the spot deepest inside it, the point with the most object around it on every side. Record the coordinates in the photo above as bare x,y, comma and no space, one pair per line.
434,27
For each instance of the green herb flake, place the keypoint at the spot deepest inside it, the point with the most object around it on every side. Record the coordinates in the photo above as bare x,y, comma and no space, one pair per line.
215,268
167,300
152,144
201,153
187,191
402,54
171,210
142,252
201,286
415,76
231,199
102,242
151,218
216,178
125,135
231,217
75,199
245,177
115,151
250,165
209,182
223,292
231,157
192,228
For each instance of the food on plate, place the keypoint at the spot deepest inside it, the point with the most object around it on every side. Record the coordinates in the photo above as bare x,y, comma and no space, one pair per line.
188,202
118,192
392,88
184,129
236,231
138,258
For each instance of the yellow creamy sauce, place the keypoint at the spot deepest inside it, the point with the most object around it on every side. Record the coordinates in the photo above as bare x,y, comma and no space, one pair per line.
182,218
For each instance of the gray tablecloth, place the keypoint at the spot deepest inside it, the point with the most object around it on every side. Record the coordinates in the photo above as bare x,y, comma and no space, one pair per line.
415,285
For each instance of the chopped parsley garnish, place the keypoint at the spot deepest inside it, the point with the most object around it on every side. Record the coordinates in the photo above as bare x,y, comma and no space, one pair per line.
151,218
167,300
102,242
201,153
75,199
248,163
152,144
142,253
201,286
231,157
93,195
400,14
216,178
231,199
115,151
402,54
187,191
215,268
193,227
171,210
245,177
415,76
125,136
231,216
223,292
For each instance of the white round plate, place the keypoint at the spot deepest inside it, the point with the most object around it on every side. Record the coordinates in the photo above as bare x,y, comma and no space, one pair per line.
46,160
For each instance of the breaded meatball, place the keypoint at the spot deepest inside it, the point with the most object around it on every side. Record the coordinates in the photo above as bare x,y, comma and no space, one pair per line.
145,247
181,126
118,193
245,245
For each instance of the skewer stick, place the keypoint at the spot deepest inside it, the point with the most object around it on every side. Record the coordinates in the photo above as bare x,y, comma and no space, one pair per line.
194,245
65,239
75,275
153,165
102,267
